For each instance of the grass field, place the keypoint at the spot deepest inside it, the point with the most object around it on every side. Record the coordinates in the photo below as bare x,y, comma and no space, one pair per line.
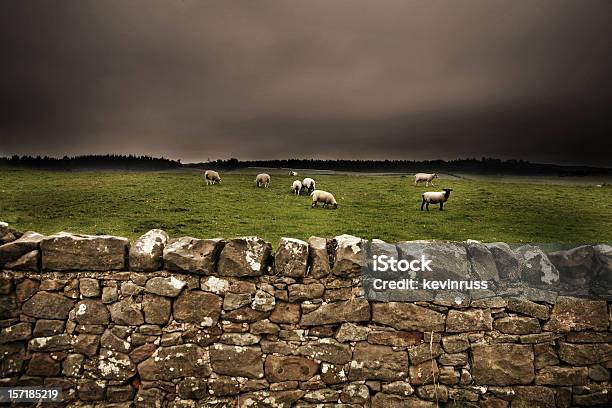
385,207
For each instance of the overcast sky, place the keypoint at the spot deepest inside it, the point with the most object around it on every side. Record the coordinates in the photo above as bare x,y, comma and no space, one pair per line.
314,79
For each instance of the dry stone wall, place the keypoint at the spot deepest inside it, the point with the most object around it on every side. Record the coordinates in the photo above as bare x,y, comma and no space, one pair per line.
213,323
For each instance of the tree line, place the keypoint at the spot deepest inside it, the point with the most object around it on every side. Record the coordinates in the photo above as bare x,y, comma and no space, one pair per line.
484,165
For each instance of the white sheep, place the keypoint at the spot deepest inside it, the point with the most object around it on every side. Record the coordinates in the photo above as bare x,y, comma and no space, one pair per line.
309,184
296,187
212,177
435,197
320,196
262,179
426,177
293,173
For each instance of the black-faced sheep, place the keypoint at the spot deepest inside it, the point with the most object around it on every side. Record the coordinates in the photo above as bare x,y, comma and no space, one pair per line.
435,197
293,173
262,180
426,177
296,187
212,177
320,196
309,184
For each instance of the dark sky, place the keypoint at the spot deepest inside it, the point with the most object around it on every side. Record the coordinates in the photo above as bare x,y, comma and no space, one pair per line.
323,79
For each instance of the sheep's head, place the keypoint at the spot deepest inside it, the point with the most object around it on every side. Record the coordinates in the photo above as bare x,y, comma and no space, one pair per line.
448,190
435,175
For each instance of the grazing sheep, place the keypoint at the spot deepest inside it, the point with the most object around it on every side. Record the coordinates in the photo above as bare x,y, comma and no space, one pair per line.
296,187
212,177
320,196
426,177
293,173
435,197
309,184
262,180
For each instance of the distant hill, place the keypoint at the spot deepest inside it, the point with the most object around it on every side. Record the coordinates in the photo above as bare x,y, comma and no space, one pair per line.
484,165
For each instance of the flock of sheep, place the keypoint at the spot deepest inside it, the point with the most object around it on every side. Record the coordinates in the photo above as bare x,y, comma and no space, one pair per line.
328,200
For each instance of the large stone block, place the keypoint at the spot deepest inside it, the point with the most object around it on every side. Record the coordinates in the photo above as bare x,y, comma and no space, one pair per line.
482,262
290,368
326,349
585,354
192,255
127,311
291,258
407,316
47,305
353,310
240,361
506,261
562,376
372,362
168,363
536,268
245,256
575,266
318,258
350,256
574,314
91,311
168,287
11,252
199,307
502,364
147,253
459,321
65,251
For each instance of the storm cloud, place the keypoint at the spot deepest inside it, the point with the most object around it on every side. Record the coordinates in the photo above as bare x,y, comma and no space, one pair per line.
308,79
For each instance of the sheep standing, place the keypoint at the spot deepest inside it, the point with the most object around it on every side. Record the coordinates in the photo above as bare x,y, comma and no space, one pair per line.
309,184
262,180
435,197
293,173
296,187
320,196
426,177
212,177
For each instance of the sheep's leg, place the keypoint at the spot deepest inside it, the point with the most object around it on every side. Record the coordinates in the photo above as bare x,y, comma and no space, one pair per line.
432,184
441,205
314,204
427,205
422,204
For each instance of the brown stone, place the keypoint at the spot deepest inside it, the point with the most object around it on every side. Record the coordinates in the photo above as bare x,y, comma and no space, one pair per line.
372,362
291,258
318,258
290,368
240,361
328,350
156,309
286,313
16,332
300,293
245,315
47,305
167,363
192,255
517,325
64,251
350,256
562,376
146,254
246,256
127,311
585,354
197,307
395,338
169,287
528,308
459,321
574,314
407,316
43,365
354,310
91,311
502,364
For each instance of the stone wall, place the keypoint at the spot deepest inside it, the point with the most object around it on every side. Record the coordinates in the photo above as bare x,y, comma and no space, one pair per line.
214,323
